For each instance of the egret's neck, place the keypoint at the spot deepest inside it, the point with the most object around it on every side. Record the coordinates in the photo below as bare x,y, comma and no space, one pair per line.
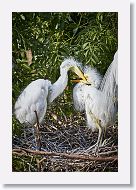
58,87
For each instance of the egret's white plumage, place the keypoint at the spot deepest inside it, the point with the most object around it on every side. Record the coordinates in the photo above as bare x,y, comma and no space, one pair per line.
78,97
33,98
99,100
39,93
58,87
94,79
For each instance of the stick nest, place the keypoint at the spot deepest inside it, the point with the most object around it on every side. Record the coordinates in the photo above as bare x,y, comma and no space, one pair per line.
68,135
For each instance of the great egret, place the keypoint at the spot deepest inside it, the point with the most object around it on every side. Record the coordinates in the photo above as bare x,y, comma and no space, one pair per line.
99,99
31,105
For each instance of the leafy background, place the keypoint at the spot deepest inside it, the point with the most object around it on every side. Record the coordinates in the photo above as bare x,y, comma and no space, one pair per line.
50,37
41,41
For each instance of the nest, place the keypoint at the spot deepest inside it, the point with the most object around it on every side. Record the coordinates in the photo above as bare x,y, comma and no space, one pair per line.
65,142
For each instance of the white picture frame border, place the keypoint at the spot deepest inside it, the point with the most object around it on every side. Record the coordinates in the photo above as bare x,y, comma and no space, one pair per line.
123,174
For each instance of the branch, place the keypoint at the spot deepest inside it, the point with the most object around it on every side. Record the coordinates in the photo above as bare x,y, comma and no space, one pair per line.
25,152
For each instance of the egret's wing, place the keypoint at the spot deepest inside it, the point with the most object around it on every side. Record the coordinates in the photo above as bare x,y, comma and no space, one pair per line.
78,97
33,98
94,107
110,79
99,108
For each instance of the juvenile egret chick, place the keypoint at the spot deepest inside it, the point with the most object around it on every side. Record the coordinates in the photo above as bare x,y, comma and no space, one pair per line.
93,78
99,100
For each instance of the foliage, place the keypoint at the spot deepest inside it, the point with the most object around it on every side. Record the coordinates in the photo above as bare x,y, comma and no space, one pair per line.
89,37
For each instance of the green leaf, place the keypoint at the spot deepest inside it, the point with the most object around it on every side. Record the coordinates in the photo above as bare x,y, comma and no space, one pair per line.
22,17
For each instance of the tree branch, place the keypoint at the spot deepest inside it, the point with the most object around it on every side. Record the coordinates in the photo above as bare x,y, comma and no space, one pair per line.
25,152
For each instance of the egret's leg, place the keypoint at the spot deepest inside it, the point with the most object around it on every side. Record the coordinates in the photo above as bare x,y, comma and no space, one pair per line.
104,132
99,141
33,135
100,138
104,136
37,133
100,134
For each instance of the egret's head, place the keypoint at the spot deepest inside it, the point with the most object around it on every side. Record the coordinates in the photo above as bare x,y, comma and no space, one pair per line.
71,64
48,83
91,75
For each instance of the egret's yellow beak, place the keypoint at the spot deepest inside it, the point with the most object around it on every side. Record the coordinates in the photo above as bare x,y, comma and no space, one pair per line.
82,78
79,73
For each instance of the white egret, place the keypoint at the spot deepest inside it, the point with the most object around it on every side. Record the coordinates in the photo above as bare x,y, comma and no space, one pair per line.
93,78
99,99
31,105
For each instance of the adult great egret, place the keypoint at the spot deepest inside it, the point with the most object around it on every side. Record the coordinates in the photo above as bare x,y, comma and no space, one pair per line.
31,105
99,99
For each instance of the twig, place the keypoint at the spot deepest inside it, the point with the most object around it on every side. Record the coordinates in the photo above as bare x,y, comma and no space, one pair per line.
108,152
64,155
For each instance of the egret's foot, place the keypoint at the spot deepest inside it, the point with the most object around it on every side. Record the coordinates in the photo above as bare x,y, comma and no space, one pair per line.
106,142
93,149
36,148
